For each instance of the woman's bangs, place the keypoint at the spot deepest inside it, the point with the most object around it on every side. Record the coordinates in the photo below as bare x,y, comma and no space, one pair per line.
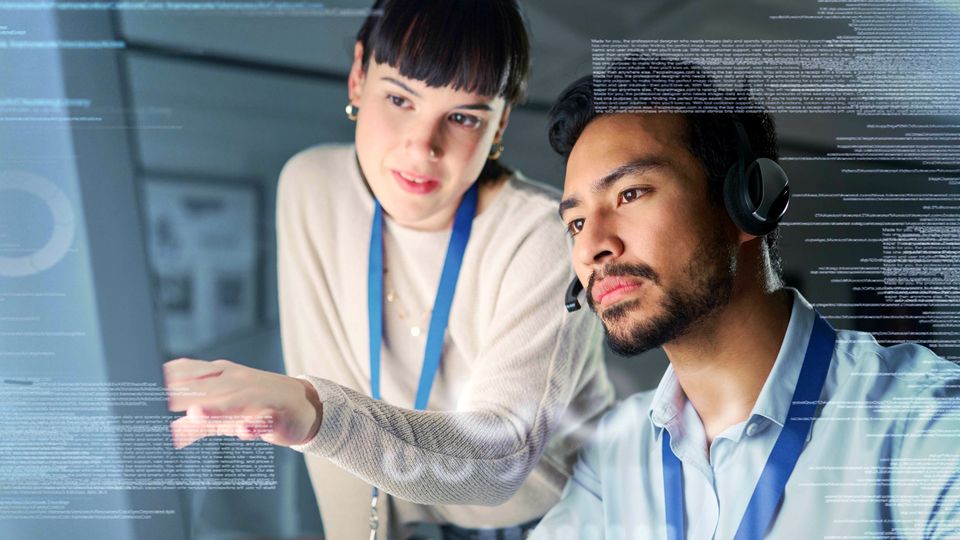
474,46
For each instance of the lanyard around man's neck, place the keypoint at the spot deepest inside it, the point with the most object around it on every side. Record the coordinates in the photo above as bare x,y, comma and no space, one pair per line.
763,504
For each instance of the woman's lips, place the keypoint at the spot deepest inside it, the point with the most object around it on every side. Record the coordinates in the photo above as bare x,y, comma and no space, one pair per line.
613,289
415,183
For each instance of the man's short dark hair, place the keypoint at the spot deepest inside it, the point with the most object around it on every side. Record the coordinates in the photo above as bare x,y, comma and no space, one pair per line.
649,84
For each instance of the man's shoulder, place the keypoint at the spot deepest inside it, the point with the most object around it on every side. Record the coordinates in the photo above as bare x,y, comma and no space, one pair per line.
905,370
911,395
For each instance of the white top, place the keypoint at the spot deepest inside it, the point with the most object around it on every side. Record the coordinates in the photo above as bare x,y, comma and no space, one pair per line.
519,382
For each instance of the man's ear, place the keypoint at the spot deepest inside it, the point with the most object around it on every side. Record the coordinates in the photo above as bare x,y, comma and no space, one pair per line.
744,237
357,75
504,120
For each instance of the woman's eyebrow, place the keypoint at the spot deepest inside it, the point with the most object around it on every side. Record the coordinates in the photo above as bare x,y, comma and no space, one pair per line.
401,85
475,107
414,93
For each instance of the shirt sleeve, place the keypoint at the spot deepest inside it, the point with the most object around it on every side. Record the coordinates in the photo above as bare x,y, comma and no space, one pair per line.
579,514
925,470
532,358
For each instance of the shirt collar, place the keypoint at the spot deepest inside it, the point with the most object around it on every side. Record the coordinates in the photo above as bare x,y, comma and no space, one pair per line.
668,402
775,397
773,402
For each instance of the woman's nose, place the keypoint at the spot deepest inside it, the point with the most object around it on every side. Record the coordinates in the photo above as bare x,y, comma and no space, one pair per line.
423,142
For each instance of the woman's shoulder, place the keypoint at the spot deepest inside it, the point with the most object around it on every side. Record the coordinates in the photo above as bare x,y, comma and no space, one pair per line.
532,193
319,159
313,171
523,200
523,220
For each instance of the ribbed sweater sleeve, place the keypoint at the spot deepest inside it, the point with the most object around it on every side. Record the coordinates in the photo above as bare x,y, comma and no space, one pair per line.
481,452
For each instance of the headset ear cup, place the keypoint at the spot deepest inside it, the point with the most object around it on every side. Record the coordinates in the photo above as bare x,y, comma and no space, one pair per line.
737,199
756,191
776,191
733,199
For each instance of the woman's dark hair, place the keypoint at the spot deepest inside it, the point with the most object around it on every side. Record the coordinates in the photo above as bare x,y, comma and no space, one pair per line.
478,46
650,84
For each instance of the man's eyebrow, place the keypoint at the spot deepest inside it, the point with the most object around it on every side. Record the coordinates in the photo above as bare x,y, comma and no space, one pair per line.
636,166
567,204
467,106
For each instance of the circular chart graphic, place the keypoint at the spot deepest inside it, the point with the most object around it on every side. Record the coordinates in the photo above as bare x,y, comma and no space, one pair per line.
63,227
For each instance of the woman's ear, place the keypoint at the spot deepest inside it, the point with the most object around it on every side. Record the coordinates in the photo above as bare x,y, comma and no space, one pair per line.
357,75
504,120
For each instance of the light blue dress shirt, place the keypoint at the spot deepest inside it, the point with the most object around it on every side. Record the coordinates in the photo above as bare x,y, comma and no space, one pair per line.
882,459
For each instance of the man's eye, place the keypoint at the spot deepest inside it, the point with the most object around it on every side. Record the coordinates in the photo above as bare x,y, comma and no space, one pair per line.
630,195
575,227
465,120
398,101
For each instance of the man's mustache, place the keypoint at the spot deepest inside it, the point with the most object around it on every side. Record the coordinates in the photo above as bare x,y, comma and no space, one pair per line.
620,270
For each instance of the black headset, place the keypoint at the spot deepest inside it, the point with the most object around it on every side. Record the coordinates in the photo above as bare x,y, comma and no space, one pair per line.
756,193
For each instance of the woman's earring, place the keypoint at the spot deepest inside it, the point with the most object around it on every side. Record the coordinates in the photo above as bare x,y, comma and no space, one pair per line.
352,111
495,151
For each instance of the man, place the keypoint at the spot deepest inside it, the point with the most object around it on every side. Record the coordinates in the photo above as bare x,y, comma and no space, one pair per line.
767,423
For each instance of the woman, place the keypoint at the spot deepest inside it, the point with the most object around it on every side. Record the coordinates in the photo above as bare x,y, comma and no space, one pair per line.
415,266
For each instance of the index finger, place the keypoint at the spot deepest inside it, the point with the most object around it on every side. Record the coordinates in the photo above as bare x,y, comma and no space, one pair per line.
186,369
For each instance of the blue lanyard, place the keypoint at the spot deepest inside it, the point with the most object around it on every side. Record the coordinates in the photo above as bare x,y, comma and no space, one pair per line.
462,223
783,458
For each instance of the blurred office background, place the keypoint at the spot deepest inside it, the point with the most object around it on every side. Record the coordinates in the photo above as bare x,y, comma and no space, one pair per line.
174,186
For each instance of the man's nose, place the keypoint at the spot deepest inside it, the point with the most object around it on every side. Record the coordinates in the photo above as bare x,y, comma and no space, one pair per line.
599,241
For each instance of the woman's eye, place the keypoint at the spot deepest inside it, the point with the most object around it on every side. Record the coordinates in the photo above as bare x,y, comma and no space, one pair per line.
465,120
398,101
575,227
630,195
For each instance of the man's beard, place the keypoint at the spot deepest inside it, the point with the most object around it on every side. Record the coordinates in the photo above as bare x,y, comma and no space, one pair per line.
709,275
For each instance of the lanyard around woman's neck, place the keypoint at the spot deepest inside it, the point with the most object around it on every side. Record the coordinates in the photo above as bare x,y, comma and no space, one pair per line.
462,223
